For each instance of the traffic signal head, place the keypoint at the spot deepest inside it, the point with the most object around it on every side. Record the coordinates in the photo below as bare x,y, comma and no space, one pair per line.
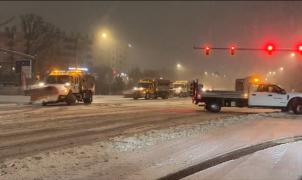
207,50
270,48
300,49
232,50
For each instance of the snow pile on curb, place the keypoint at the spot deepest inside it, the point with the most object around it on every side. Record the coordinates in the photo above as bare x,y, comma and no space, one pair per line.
9,99
122,143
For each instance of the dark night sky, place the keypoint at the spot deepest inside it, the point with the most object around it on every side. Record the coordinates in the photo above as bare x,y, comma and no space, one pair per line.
163,33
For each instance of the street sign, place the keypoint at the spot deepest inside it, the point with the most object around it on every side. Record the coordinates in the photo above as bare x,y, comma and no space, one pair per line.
24,66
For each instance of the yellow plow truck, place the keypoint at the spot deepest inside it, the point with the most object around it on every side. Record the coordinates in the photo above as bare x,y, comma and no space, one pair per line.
69,86
152,89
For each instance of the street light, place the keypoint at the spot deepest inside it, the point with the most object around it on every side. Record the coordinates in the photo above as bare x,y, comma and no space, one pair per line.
104,35
178,66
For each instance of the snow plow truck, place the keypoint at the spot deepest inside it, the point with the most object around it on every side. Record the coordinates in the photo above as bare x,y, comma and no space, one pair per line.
70,86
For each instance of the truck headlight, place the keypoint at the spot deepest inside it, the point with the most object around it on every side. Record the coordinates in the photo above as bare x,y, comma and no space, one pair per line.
41,84
198,96
67,84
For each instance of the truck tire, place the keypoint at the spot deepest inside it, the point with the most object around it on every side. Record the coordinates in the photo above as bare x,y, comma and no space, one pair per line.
88,98
297,107
44,103
71,99
165,96
213,106
147,96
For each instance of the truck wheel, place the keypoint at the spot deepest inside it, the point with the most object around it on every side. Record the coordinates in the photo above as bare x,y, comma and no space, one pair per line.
147,96
214,107
297,107
135,98
44,103
88,98
165,96
71,99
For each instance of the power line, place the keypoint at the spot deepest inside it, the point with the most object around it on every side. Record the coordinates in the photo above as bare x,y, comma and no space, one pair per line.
7,21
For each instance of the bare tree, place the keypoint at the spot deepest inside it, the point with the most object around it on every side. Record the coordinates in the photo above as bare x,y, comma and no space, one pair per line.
39,36
10,33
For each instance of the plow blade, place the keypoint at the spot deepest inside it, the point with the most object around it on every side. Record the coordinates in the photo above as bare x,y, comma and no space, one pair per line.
42,93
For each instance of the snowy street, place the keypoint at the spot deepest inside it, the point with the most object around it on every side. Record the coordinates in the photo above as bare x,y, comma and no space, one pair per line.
150,90
121,138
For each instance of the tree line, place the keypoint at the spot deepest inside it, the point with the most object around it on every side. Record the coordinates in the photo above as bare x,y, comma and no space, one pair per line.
43,39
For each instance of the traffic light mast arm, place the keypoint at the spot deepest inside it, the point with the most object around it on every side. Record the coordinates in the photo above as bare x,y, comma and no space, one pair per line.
17,53
242,49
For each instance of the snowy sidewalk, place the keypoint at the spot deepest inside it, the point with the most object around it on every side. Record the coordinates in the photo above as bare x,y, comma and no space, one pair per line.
13,99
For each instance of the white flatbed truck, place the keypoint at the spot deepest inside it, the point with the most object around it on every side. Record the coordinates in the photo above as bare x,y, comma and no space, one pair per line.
249,92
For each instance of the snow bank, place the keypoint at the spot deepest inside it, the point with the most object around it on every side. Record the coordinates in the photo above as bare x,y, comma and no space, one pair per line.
122,143
18,99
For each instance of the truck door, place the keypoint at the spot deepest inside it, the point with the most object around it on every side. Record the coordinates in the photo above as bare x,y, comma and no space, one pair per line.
257,97
277,96
267,96
77,84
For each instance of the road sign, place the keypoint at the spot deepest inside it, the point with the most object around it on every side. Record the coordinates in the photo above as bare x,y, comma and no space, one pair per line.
24,66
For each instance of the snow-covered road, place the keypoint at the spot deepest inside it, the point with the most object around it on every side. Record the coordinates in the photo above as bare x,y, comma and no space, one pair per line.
119,138
277,163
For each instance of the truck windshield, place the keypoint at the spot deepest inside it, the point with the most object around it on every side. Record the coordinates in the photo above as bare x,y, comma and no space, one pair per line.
62,79
178,85
144,85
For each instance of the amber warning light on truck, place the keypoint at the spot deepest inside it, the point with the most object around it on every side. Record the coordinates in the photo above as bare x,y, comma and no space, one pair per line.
77,69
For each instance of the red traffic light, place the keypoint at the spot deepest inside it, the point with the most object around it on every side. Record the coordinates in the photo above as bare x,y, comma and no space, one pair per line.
232,50
300,49
207,50
270,48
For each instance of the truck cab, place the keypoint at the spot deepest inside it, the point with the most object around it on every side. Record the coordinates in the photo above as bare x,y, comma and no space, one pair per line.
152,89
270,95
144,89
181,88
